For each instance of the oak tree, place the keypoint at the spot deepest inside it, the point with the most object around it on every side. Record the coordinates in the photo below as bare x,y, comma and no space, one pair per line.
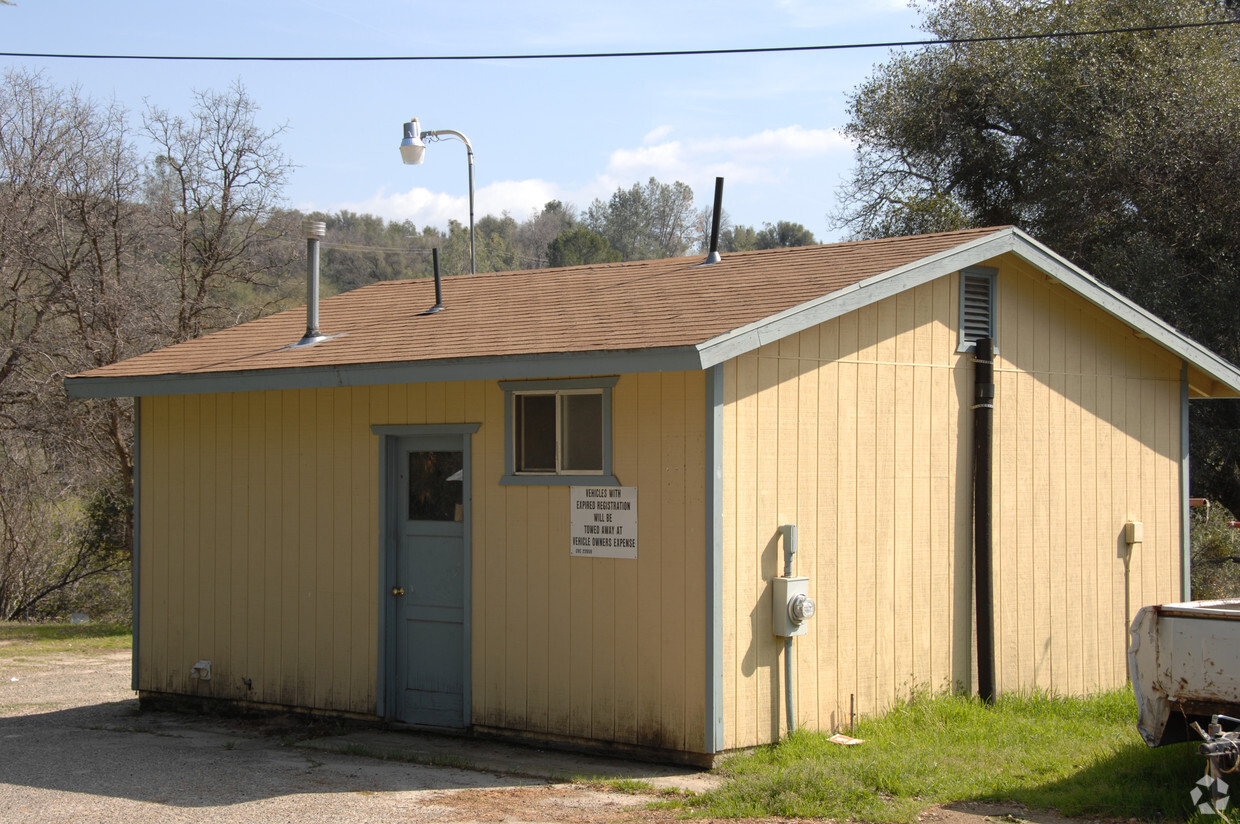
1117,150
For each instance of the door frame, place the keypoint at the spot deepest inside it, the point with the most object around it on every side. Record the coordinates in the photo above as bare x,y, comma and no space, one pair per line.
389,546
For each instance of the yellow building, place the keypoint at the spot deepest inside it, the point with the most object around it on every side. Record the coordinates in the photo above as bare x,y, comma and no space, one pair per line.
553,510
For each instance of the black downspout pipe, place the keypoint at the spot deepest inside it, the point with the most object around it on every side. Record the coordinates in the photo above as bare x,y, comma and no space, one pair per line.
983,417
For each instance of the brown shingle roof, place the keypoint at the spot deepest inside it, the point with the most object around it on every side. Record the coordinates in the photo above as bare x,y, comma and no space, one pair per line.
641,305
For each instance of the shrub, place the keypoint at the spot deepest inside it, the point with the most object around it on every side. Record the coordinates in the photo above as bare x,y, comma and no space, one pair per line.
1215,553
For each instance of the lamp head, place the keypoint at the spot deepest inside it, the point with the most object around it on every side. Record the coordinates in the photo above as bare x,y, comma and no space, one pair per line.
412,149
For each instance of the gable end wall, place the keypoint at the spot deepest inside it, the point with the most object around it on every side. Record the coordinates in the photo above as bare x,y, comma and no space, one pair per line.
859,431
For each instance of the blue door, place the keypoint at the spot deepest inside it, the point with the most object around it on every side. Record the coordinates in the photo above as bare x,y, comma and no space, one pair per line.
429,587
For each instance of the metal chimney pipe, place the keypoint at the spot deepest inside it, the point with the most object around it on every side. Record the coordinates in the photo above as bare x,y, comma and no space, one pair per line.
714,256
438,307
313,229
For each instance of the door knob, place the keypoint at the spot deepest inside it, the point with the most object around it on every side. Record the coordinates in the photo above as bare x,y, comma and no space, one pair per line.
398,590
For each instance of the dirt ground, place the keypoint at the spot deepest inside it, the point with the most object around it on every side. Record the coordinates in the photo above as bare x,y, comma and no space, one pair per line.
75,747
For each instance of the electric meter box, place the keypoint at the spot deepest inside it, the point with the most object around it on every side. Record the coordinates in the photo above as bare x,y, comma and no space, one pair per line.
791,607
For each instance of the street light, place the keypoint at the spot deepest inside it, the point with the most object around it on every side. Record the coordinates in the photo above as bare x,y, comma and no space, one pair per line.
412,150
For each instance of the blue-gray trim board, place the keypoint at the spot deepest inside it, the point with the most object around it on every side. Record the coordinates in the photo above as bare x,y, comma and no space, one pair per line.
604,382
134,561
559,480
1186,531
424,429
557,365
714,559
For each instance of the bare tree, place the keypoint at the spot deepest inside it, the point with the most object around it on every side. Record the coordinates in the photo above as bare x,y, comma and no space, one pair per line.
99,262
70,238
215,188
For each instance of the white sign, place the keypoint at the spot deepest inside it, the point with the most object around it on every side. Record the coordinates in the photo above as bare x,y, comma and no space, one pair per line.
604,521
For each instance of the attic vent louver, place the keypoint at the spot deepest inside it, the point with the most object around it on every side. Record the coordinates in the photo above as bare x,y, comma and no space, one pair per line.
977,306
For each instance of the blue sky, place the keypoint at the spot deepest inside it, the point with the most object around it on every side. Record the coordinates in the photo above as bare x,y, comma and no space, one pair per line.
572,130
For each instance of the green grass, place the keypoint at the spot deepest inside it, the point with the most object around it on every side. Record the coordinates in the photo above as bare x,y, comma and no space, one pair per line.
1081,757
633,786
20,640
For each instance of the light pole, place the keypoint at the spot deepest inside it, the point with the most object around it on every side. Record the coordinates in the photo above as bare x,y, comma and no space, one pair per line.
412,150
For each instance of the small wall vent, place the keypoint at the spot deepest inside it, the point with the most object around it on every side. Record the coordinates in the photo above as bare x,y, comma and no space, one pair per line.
977,306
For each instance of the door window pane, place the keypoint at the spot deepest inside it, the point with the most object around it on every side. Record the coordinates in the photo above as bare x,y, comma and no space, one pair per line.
436,486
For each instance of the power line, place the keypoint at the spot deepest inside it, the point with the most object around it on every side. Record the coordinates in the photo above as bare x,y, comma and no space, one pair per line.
950,41
353,247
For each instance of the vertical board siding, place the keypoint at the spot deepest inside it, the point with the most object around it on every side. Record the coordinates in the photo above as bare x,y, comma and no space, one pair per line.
625,645
259,547
1102,450
860,432
261,553
830,681
598,648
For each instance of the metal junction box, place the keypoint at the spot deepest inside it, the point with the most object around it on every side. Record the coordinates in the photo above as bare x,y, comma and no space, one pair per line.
791,607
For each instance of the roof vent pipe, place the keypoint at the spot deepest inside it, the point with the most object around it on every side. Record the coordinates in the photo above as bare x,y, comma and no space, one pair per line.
313,229
714,256
438,307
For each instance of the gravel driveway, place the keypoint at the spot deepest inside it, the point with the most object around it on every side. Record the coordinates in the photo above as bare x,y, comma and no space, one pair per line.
75,748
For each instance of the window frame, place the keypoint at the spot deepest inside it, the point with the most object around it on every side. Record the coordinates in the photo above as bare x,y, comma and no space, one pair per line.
991,277
558,388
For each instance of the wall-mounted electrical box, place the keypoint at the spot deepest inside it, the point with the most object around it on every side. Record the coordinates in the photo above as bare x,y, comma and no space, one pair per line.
792,607
1134,532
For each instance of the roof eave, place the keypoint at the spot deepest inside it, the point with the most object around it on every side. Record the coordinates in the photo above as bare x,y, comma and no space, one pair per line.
1223,377
551,365
862,293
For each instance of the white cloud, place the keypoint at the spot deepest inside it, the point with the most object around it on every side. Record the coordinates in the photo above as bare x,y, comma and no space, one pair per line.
656,134
519,198
420,205
762,161
656,159
755,157
516,197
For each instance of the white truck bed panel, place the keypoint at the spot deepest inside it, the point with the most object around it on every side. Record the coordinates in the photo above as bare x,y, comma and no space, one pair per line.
1184,662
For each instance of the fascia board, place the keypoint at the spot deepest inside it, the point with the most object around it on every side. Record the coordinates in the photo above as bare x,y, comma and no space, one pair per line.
1113,303
842,301
1013,240
672,359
